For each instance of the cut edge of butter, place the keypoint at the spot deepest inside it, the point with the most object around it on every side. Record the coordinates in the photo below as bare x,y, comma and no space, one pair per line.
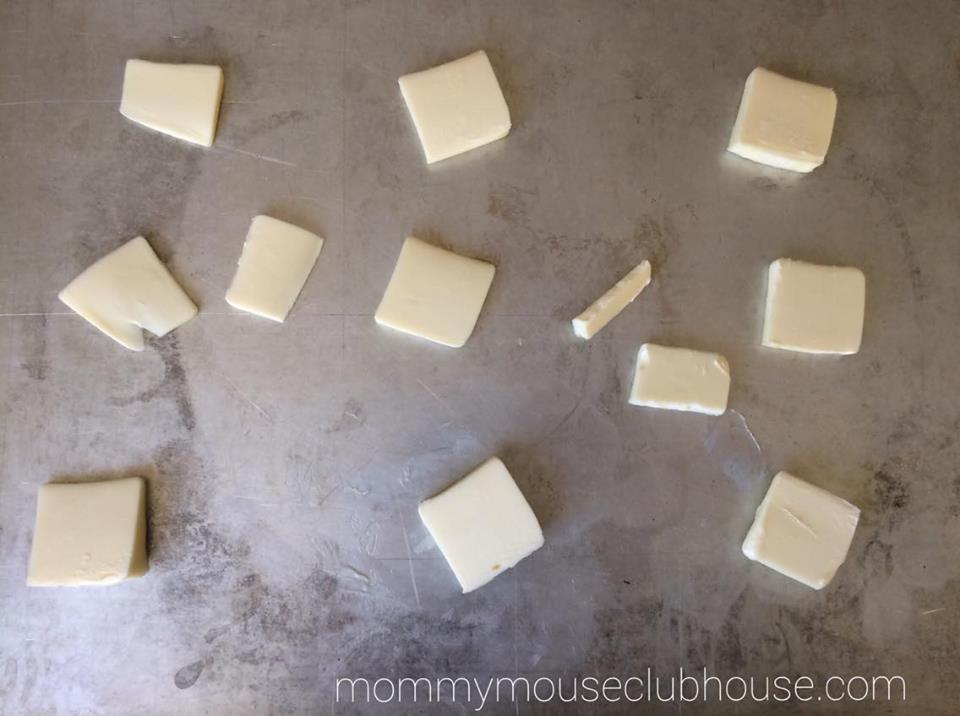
611,303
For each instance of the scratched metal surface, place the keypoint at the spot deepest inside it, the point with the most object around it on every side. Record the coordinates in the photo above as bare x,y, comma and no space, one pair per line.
285,462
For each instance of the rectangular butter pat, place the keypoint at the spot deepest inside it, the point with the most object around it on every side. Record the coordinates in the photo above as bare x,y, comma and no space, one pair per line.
801,531
783,122
276,260
681,379
129,290
609,305
456,107
89,533
435,294
814,309
482,524
180,100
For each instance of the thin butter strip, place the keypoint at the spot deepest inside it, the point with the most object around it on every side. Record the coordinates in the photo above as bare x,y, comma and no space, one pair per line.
610,304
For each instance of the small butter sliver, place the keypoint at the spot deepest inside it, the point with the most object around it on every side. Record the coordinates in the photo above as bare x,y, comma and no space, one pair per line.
610,304
801,531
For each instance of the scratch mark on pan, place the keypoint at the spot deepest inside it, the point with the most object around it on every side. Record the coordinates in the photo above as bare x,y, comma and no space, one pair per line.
431,391
243,396
39,314
23,103
261,157
406,544
747,429
563,421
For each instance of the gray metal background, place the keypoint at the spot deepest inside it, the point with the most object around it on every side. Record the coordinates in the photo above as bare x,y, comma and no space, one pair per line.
285,462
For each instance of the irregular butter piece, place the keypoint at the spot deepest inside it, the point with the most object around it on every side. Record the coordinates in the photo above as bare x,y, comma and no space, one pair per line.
783,123
128,290
276,260
180,100
801,531
456,107
609,305
482,524
681,379
89,533
435,294
814,309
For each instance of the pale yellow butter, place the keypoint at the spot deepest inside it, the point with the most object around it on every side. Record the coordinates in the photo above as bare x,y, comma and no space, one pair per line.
127,291
457,106
814,309
89,533
801,531
276,260
180,100
783,122
482,524
435,294
609,305
681,379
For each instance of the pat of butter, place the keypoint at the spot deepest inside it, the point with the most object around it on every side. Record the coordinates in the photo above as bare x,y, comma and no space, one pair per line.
435,294
783,122
681,379
814,309
482,524
129,290
609,305
89,533
801,531
276,260
456,107
180,100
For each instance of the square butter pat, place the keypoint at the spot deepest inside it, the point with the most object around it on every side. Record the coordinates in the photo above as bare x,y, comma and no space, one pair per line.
609,305
681,379
784,123
435,294
814,309
456,107
801,531
180,100
482,524
276,260
129,290
90,533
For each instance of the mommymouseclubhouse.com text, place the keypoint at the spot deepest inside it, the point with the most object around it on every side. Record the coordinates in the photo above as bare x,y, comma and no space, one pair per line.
648,687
